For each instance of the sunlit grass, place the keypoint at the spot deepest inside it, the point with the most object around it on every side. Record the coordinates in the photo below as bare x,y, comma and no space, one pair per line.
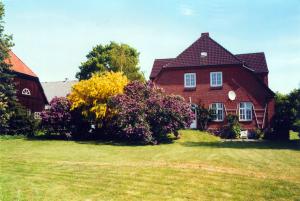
196,167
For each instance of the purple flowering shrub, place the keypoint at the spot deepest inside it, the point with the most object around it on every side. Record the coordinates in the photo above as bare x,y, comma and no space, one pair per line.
145,114
57,119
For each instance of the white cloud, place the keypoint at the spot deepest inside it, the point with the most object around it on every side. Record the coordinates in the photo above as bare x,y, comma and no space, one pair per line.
186,10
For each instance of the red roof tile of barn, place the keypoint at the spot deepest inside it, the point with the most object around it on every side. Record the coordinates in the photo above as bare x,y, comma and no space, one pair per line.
158,65
255,61
19,66
216,54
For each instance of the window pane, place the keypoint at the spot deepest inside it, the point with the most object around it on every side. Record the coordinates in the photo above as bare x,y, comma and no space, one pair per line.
192,80
242,114
219,82
220,115
214,79
249,114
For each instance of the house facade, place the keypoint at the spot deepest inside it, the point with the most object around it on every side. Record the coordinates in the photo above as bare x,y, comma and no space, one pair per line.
29,89
207,74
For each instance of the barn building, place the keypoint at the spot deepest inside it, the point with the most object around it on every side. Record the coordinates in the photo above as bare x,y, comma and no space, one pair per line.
29,89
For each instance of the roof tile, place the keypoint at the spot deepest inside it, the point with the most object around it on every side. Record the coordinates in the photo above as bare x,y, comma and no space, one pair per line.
19,66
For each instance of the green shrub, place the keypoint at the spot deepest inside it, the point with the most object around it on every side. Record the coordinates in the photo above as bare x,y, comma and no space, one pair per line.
296,126
256,134
21,122
233,128
204,116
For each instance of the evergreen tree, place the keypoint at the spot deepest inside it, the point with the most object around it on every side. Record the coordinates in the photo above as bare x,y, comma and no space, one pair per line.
7,88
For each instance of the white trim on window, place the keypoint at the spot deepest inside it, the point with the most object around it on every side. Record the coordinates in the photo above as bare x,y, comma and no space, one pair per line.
245,111
216,79
37,115
218,111
26,92
190,80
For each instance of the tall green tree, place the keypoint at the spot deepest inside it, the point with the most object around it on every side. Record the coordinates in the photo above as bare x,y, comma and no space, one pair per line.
7,89
287,113
112,57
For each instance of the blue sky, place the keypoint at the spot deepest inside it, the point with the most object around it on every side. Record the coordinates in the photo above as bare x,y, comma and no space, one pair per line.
53,37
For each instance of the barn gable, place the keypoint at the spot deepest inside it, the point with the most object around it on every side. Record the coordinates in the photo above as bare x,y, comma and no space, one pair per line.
29,89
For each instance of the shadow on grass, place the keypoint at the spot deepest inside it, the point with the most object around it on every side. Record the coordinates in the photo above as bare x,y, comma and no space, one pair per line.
292,145
94,141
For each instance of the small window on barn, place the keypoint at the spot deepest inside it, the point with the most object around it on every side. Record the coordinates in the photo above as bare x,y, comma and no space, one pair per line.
37,115
26,92
190,80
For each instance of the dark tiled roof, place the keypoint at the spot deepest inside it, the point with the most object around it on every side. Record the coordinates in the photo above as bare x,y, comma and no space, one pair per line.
158,65
255,61
216,54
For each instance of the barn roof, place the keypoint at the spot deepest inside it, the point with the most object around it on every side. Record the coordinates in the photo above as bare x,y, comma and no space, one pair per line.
19,66
207,52
58,89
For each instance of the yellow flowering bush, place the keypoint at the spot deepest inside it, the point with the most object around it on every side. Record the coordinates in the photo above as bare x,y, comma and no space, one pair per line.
91,95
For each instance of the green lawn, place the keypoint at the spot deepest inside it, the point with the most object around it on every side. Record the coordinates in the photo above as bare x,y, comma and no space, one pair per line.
196,167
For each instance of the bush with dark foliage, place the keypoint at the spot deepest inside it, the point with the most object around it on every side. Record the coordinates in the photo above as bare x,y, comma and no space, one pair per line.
233,128
145,114
287,114
204,116
21,122
57,119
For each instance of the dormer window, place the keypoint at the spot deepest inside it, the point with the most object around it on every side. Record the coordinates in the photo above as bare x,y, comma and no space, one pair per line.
190,80
203,54
26,92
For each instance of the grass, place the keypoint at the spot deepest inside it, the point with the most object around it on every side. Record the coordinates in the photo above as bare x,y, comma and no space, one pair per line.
196,167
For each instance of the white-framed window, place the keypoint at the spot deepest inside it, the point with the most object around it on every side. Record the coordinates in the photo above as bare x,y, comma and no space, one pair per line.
26,92
190,80
216,79
217,111
245,111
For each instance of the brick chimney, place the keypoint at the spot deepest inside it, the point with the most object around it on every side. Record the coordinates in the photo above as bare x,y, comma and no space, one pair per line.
205,34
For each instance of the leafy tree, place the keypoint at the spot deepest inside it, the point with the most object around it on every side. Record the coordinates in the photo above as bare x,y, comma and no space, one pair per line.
91,96
287,114
7,89
204,116
112,57
145,114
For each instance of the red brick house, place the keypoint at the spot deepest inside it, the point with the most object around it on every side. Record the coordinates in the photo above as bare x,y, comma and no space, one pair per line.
29,89
208,74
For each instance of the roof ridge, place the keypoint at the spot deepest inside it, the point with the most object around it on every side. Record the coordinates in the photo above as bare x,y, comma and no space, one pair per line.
184,50
60,81
164,58
225,49
251,53
33,73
